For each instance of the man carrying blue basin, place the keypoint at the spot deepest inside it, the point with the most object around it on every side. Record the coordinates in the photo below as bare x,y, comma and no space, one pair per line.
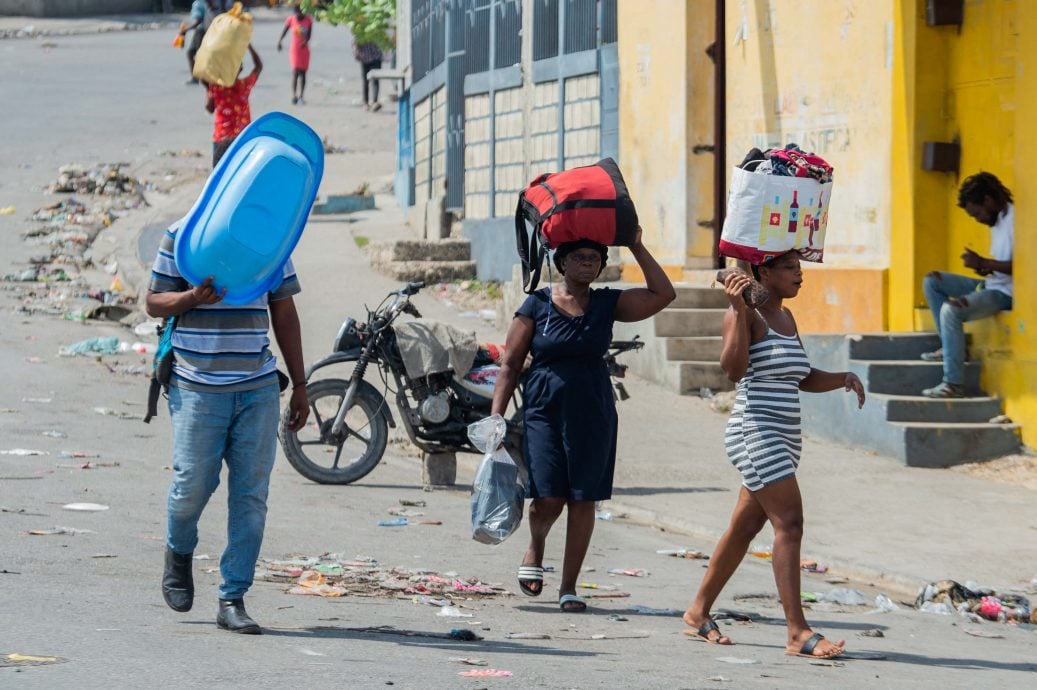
224,403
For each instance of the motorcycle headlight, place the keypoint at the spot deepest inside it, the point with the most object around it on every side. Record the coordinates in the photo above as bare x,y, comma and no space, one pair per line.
348,337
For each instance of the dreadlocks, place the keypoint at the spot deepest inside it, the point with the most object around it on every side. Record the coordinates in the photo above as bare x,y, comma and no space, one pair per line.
978,187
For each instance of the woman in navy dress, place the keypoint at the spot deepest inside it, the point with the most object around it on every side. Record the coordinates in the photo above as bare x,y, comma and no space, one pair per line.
569,410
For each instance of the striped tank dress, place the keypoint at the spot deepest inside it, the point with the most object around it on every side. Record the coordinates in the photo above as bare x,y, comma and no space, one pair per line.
763,438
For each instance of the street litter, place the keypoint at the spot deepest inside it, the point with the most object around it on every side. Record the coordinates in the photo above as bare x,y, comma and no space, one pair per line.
14,659
874,632
948,597
690,554
109,412
330,575
102,178
761,551
104,346
398,522
630,572
736,660
412,504
40,401
453,612
593,585
23,452
526,636
80,454
182,153
469,661
649,611
54,434
719,679
8,211
486,673
603,515
405,512
430,522
845,597
884,604
72,531
812,567
104,555
606,595
984,633
85,507
616,618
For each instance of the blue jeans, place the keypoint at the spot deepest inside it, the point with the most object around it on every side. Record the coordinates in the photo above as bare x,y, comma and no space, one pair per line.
209,428
950,319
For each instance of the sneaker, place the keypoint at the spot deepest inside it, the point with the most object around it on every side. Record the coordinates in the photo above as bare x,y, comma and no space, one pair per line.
301,101
934,356
294,100
945,390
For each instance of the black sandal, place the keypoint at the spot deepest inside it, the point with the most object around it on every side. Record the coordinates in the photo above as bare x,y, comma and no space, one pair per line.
703,632
528,574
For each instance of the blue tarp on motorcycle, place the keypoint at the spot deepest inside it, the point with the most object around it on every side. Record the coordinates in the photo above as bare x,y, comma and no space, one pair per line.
498,493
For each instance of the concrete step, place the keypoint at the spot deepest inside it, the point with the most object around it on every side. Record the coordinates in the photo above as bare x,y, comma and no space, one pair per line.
913,408
689,297
909,377
688,322
427,250
700,348
693,376
429,271
900,346
943,445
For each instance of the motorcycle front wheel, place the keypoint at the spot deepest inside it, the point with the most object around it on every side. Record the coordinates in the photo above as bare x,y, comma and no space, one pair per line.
326,458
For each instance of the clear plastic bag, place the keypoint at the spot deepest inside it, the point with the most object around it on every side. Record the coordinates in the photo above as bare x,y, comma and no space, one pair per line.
498,493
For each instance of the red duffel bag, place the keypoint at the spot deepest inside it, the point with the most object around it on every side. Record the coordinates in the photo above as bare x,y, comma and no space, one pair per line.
588,203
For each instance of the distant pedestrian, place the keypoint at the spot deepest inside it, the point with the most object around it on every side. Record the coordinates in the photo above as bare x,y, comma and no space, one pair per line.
229,105
763,353
202,14
369,55
569,412
301,27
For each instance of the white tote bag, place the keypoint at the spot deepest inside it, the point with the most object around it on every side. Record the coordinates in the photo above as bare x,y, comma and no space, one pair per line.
768,215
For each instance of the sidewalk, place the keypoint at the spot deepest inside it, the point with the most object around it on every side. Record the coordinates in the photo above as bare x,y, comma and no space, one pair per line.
35,27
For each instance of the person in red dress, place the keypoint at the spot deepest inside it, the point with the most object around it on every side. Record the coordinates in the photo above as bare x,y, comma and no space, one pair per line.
230,106
301,27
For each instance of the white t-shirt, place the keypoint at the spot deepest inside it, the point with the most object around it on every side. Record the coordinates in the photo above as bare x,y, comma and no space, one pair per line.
1001,243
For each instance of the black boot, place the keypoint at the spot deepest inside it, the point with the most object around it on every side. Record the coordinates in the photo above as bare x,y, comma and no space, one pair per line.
232,616
177,581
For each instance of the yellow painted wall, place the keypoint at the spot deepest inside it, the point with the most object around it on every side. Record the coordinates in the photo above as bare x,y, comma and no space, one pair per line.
831,95
974,86
665,97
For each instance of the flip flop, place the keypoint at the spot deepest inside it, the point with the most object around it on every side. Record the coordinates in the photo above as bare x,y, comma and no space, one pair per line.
570,603
530,573
703,632
808,648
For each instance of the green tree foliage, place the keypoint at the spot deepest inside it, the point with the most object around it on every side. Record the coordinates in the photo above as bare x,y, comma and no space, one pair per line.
371,21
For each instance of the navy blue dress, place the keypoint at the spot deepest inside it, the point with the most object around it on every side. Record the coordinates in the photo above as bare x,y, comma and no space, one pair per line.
569,409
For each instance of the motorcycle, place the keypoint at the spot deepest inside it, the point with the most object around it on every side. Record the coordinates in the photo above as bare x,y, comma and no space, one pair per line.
348,430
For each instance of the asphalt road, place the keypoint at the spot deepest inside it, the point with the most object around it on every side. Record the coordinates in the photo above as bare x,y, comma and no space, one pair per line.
93,599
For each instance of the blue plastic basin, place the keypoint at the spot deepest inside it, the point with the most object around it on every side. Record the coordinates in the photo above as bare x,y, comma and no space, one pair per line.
253,209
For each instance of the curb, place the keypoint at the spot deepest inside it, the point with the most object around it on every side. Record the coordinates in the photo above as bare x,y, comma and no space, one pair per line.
104,28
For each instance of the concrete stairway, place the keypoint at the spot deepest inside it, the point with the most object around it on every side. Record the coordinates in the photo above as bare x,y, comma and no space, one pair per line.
682,343
896,419
432,261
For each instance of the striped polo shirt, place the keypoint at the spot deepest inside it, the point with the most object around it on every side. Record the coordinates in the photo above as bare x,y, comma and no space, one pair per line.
220,347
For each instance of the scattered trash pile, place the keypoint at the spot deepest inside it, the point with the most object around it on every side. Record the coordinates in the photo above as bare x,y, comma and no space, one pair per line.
66,230
472,298
976,603
330,575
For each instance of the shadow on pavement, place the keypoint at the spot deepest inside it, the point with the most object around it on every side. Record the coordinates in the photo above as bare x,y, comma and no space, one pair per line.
652,490
416,639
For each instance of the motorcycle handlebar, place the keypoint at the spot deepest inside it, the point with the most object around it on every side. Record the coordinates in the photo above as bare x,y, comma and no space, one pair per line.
413,288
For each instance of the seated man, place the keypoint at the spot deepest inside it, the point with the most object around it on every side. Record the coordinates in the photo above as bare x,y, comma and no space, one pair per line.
955,299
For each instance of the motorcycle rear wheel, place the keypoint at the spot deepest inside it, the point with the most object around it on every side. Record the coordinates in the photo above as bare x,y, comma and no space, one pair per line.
318,455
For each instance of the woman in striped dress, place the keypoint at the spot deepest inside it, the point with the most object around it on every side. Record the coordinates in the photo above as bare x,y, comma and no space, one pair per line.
763,353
